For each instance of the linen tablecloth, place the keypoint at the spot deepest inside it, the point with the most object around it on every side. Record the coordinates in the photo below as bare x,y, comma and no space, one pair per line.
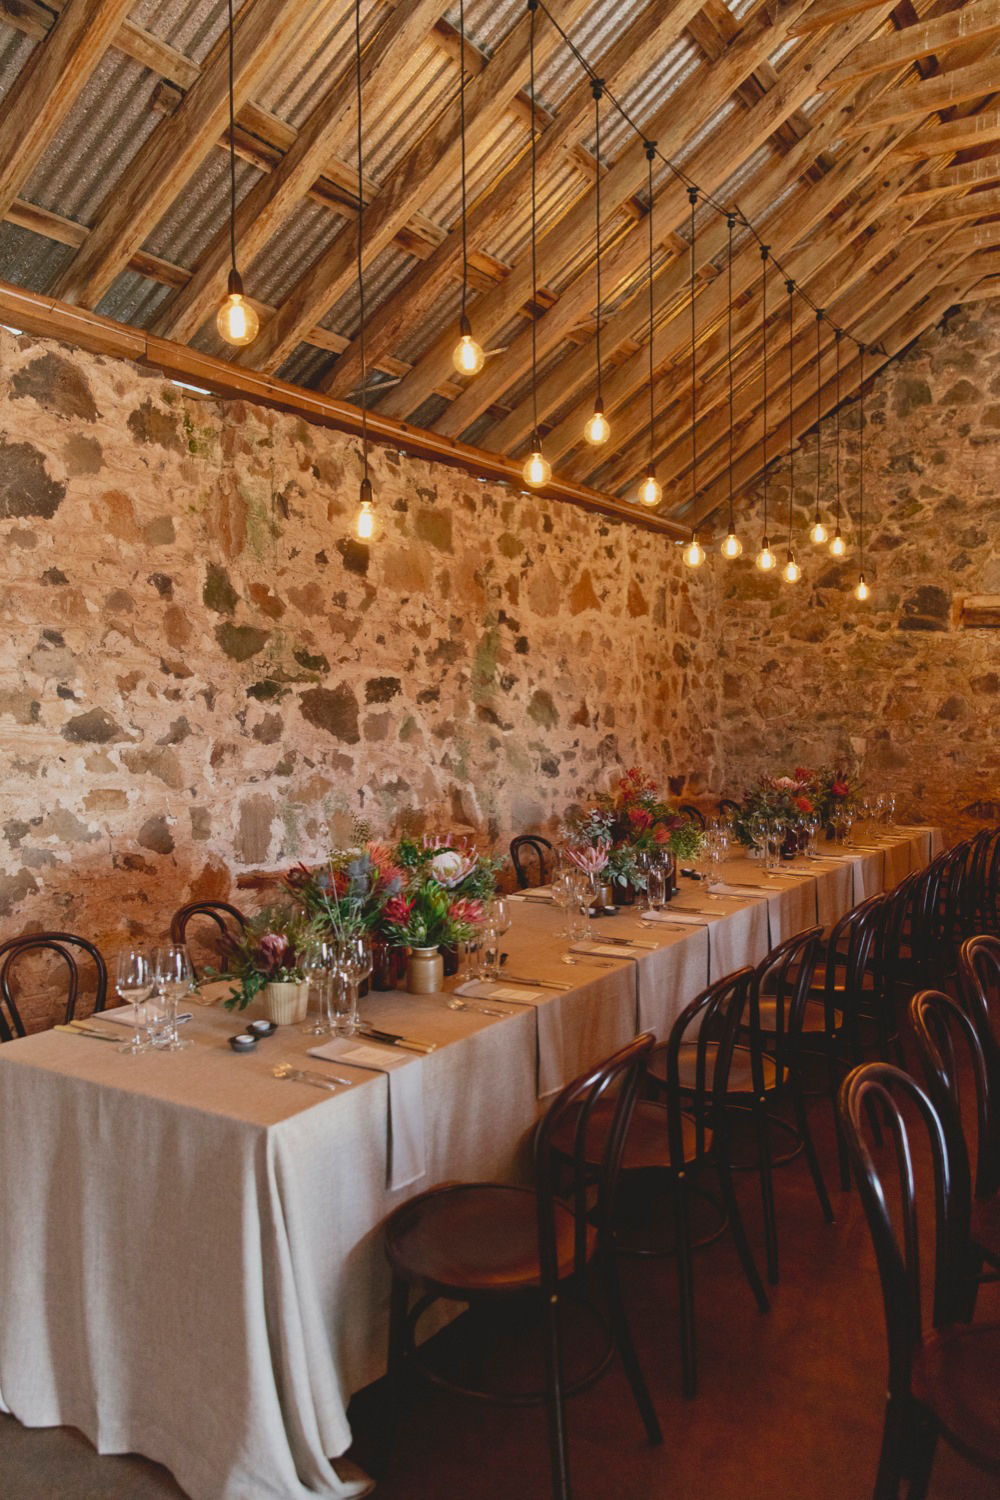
191,1264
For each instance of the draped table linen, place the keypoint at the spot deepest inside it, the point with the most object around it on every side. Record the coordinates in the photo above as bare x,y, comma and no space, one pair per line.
190,1252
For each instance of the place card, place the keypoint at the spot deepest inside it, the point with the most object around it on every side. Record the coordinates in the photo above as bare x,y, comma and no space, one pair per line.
488,989
606,950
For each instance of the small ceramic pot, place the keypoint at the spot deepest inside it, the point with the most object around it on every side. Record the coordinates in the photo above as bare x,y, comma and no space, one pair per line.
604,895
284,1004
424,971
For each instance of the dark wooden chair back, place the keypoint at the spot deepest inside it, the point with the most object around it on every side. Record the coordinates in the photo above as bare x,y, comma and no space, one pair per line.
69,949
785,978
710,1024
531,844
692,813
849,952
951,1050
221,913
870,1103
618,1077
979,986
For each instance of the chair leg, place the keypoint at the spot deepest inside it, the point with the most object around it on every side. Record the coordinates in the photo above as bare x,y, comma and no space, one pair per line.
555,1400
766,1189
622,1335
831,1071
399,1301
736,1224
685,1285
809,1147
890,1462
923,1445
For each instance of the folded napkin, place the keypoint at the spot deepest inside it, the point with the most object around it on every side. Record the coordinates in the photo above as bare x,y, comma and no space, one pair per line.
740,890
679,918
540,894
406,1151
124,1015
607,950
549,1068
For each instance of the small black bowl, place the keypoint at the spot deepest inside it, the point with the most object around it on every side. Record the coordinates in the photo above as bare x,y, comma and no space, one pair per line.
244,1042
262,1028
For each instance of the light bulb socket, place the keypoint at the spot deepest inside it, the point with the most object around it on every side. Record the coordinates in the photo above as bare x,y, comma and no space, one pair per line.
235,288
464,327
365,495
599,407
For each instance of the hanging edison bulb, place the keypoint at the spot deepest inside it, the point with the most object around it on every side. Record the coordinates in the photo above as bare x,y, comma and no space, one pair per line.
650,490
468,358
862,591
598,429
818,532
364,521
766,559
236,320
694,552
791,572
537,470
838,546
731,546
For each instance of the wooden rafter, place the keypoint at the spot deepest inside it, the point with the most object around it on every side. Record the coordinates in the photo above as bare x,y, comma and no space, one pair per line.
932,95
944,140
977,21
264,31
432,159
957,179
46,90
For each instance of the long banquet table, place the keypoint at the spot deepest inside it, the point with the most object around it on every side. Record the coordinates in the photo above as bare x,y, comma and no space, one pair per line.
190,1253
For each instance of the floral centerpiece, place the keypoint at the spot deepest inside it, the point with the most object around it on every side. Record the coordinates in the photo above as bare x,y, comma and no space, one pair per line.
269,956
627,825
349,893
788,799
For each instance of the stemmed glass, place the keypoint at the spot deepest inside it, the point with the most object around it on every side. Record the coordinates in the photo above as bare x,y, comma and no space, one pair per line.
354,963
320,961
498,912
174,978
563,893
134,983
656,885
758,830
489,951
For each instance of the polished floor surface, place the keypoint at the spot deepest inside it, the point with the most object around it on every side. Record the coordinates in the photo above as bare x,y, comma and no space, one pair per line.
789,1405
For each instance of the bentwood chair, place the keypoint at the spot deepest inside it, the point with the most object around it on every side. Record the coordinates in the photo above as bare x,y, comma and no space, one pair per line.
527,845
221,913
69,949
493,1245
727,806
942,1380
979,983
684,1136
944,1034
693,814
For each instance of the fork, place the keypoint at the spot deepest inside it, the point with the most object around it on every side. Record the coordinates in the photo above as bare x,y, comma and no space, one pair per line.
587,963
328,1081
485,1010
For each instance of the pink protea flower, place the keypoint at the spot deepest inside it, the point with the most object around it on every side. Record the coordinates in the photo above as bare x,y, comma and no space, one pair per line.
466,911
398,910
591,860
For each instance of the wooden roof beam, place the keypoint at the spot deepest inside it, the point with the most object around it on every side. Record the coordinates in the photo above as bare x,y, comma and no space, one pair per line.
49,85
826,13
931,96
956,179
974,206
265,30
944,140
706,90
714,162
637,47
272,200
431,160
972,22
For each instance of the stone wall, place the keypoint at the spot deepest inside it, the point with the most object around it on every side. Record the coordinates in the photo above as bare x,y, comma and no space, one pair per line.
204,677
898,683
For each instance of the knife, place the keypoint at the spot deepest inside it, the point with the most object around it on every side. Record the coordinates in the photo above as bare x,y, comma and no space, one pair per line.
621,942
391,1039
545,984
79,1030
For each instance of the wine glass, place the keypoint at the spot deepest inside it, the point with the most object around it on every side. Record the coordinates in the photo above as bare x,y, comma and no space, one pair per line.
134,983
354,963
498,912
656,886
489,950
174,977
564,896
320,959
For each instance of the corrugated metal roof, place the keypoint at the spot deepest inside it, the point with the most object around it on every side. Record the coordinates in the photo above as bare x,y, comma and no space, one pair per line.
117,113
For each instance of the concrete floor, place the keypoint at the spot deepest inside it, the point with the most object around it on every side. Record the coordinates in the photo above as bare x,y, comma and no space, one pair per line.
789,1407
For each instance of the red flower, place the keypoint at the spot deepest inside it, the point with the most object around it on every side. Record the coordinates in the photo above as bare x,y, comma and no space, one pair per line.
639,818
661,834
840,789
397,910
803,804
802,773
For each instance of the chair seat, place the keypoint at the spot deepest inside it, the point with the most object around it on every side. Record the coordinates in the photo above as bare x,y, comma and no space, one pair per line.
954,1375
475,1238
986,1227
813,1016
740,1070
646,1143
